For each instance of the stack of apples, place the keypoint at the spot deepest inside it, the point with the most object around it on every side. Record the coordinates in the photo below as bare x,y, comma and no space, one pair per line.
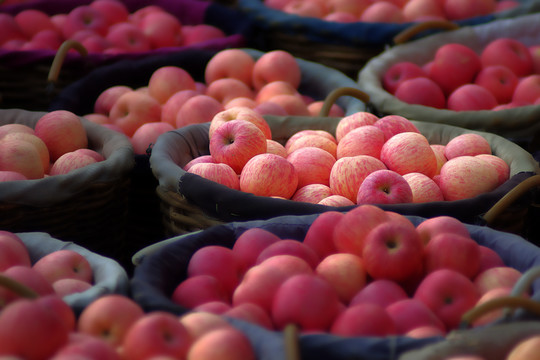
114,327
504,74
58,144
102,26
390,11
370,160
232,77
366,272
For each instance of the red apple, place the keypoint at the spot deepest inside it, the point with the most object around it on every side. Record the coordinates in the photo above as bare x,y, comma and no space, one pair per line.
106,99
220,173
460,9
411,313
84,17
198,33
167,80
198,109
230,63
289,247
500,276
162,29
240,113
320,233
249,245
363,320
227,343
198,290
13,251
421,90
380,291
64,264
134,109
527,90
452,251
471,97
499,80
509,52
353,121
429,228
384,187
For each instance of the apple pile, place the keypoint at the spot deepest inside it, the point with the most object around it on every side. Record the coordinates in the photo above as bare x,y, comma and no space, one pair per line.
366,272
173,98
114,327
56,145
390,11
370,160
504,74
103,26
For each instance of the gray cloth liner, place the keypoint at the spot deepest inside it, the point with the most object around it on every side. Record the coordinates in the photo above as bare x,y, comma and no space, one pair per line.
50,190
518,122
169,155
109,276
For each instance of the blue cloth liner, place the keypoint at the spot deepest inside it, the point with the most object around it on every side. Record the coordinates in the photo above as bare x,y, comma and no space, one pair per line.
161,271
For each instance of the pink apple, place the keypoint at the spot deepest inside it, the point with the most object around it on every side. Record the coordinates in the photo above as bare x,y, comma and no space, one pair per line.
10,30
63,264
527,348
14,127
312,165
409,152
489,258
214,307
220,173
252,313
293,104
467,176
240,113
289,247
198,290
429,228
500,276
249,245
299,134
395,124
223,343
427,331
134,109
509,52
230,63
241,101
6,175
311,140
383,292
312,193
467,144
353,121
198,109
64,287
336,201
170,108
106,99
305,8
200,322
21,156
113,11
399,72
236,142
315,107
449,294
157,333
162,29
494,314
276,65
349,172
29,278
411,313
424,189
421,91
84,17
384,187
47,39
415,10
270,108
199,159
452,251
438,149
273,88
384,12
527,90
269,175
503,169
167,80
363,140
460,9
499,80
127,37
227,89
275,147
13,251
147,134
198,33
363,320
471,97
71,161
86,346
62,131
320,233
36,141
456,59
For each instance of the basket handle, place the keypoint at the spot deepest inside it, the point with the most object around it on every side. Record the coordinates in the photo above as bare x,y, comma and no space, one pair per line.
510,197
60,56
419,27
17,287
337,93
290,337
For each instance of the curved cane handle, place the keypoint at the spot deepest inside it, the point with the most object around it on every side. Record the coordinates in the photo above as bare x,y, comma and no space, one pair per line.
337,93
417,28
60,56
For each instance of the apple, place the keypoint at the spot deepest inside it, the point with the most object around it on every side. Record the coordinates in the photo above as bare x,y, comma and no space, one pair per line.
109,317
86,346
312,193
363,140
199,289
395,124
133,109
227,89
312,140
198,33
300,134
345,272
273,88
424,189
449,294
203,159
452,251
10,30
363,320
471,97
306,300
214,307
409,152
438,149
417,10
199,322
62,131
527,348
32,21
249,245
382,292
489,258
336,201
84,17
14,127
29,330
28,277
527,90
13,251
293,104
392,251
127,37
509,52
464,177
429,228
270,108
421,90
353,121
494,314
227,343
268,175
399,72
411,313
503,169
469,144
351,230
64,287
500,276
114,11
167,80
312,165
139,14
241,101
456,59
71,161
382,12
21,156
384,187
6,175
252,313
162,29
198,109
106,99
240,113
460,9
146,135
315,107
274,147
157,333
217,172
230,63
170,108
276,65
320,232
64,264
289,247
349,172
305,8
499,80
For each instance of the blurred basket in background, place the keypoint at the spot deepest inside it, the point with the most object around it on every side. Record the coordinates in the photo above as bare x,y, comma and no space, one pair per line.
343,46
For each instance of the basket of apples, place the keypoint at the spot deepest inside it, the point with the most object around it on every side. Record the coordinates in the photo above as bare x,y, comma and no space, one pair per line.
346,34
364,281
494,89
66,176
47,45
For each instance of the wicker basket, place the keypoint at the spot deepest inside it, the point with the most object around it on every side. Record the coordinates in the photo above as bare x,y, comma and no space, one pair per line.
343,46
87,206
518,124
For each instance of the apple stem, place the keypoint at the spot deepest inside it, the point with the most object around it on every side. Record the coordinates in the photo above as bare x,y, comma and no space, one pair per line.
290,335
18,288
341,91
